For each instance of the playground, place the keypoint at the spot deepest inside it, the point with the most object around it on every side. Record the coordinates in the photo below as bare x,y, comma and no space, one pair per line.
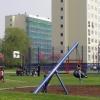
74,90
25,85
55,82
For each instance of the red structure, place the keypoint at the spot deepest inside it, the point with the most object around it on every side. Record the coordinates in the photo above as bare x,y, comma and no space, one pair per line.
71,64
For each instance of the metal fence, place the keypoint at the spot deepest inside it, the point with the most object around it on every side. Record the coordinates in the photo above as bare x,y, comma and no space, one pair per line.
48,60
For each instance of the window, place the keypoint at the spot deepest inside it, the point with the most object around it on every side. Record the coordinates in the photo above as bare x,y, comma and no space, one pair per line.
61,9
93,56
89,32
88,47
95,41
88,23
96,57
92,32
61,25
88,57
10,24
10,19
61,17
88,40
95,48
92,48
92,40
61,51
89,50
61,34
92,25
61,42
61,0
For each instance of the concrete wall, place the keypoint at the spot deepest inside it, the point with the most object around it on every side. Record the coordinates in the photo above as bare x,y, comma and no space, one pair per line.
74,23
18,21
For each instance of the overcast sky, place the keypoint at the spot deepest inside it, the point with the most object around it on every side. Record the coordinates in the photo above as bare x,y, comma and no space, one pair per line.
33,7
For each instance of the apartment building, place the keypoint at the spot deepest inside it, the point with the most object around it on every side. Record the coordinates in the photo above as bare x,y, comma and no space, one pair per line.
99,31
76,20
38,30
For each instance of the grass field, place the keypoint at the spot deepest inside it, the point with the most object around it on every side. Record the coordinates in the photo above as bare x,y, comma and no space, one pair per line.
24,96
12,81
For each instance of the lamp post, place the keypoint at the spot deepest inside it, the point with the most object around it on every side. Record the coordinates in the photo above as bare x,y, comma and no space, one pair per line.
38,70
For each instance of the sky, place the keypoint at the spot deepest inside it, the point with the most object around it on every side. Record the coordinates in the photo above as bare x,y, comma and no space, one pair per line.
33,7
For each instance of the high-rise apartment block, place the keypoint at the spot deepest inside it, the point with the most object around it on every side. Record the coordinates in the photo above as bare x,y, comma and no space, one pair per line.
38,30
76,20
99,30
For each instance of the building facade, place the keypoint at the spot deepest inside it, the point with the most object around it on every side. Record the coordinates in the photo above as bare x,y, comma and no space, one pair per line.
99,31
38,30
76,20
99,17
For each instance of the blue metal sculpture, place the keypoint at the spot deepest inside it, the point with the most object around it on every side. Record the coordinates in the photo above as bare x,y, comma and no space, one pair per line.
65,57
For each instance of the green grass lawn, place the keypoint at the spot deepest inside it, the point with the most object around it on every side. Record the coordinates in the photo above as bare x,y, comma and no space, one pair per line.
28,96
71,80
12,81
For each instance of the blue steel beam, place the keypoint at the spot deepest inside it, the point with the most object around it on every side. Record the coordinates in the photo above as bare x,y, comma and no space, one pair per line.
62,84
65,57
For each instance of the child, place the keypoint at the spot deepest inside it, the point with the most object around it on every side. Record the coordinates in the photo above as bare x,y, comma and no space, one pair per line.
2,74
78,73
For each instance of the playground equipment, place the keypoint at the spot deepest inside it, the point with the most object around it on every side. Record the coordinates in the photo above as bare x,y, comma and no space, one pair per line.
79,75
54,71
76,59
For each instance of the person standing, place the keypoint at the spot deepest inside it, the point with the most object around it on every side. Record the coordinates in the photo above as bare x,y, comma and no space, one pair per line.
1,74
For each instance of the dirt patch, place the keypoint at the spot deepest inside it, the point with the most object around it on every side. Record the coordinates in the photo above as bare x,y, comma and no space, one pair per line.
73,90
77,90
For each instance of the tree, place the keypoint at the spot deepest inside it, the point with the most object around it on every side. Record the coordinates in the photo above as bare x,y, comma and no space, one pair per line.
15,40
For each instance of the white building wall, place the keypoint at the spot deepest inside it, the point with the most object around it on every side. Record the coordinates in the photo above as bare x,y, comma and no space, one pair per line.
92,31
99,18
99,31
